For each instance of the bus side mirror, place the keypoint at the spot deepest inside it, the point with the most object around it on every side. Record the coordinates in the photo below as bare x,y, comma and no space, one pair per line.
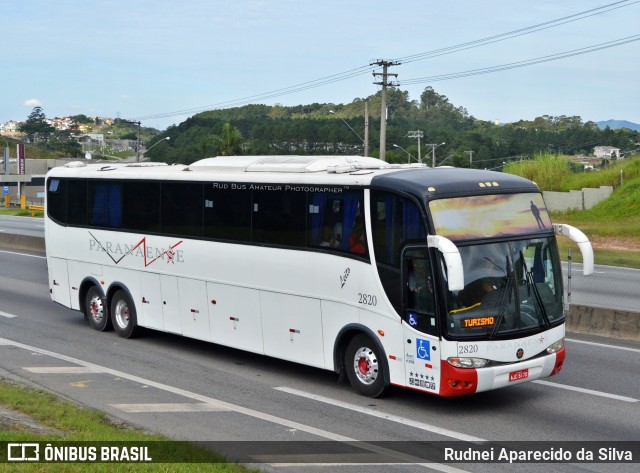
455,272
583,243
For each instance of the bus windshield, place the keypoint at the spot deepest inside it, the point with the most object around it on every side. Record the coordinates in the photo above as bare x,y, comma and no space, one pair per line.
513,286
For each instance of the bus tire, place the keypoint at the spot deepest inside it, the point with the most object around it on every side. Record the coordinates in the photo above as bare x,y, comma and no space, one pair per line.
95,310
123,315
365,369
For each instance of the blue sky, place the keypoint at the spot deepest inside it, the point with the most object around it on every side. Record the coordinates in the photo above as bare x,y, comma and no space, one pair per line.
140,58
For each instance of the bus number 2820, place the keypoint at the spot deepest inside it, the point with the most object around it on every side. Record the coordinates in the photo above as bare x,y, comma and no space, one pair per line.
467,349
367,299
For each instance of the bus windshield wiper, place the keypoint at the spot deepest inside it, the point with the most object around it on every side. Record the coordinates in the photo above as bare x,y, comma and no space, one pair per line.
531,285
503,303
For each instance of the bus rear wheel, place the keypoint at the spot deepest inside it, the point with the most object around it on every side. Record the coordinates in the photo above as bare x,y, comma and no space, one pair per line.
96,310
364,366
123,315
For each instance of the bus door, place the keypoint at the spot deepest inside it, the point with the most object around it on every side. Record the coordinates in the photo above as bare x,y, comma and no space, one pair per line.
422,355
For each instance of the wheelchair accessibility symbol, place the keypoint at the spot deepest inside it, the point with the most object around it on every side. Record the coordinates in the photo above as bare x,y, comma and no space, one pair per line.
423,349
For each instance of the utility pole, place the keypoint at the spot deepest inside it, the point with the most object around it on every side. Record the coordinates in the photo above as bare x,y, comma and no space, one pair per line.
416,134
366,128
383,113
470,153
133,122
6,156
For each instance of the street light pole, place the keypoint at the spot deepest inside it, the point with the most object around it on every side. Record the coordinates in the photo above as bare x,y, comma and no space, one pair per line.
433,152
442,162
154,144
408,154
354,132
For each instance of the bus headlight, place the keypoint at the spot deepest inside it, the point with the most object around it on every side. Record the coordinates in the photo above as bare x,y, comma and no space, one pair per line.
554,347
467,362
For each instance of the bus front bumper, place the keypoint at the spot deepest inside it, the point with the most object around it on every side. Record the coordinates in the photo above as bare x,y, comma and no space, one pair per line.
462,381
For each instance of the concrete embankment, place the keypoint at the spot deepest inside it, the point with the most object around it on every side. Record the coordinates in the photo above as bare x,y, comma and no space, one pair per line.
604,322
580,319
22,242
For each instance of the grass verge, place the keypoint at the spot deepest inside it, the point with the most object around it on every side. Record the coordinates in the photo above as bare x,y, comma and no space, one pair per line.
605,256
18,212
72,423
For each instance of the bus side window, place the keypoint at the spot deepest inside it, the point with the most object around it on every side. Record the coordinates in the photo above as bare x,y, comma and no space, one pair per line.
181,206
332,220
279,218
77,202
57,200
141,209
227,214
105,204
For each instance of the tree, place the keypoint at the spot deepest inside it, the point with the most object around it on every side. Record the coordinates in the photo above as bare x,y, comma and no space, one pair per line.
62,142
228,143
36,128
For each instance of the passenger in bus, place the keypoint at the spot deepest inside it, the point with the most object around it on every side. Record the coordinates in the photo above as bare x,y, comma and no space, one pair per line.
328,240
357,240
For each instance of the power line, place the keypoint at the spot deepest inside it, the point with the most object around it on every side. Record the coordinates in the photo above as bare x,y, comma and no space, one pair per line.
272,94
349,74
528,62
515,33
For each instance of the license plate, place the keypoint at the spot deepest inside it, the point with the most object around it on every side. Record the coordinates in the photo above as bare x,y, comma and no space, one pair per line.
520,374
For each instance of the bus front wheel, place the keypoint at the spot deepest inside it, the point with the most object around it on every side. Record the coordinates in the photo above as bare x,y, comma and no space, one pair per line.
123,315
96,310
365,369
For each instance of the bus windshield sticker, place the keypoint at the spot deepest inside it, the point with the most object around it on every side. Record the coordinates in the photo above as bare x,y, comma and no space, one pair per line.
486,216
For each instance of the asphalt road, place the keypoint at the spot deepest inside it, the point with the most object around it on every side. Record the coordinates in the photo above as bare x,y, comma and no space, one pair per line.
22,225
611,287
192,390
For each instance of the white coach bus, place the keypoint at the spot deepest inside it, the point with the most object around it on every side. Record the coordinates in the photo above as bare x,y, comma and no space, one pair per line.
444,280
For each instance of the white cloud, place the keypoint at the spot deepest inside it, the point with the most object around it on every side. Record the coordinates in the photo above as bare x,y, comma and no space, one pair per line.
32,103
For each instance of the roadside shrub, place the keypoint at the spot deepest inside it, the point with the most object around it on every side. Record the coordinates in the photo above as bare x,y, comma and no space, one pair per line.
548,171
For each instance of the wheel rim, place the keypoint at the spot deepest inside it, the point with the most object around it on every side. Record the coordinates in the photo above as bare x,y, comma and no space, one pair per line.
365,365
121,312
96,309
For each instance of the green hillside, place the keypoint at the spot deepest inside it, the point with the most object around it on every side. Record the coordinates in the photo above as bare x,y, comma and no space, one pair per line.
613,226
325,128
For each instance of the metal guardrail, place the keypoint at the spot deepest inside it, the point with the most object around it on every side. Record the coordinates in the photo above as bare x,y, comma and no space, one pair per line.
36,208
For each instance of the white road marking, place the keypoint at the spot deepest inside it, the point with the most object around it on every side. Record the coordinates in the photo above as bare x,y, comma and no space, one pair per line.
9,316
236,408
168,407
586,391
22,254
390,417
431,466
60,370
604,345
